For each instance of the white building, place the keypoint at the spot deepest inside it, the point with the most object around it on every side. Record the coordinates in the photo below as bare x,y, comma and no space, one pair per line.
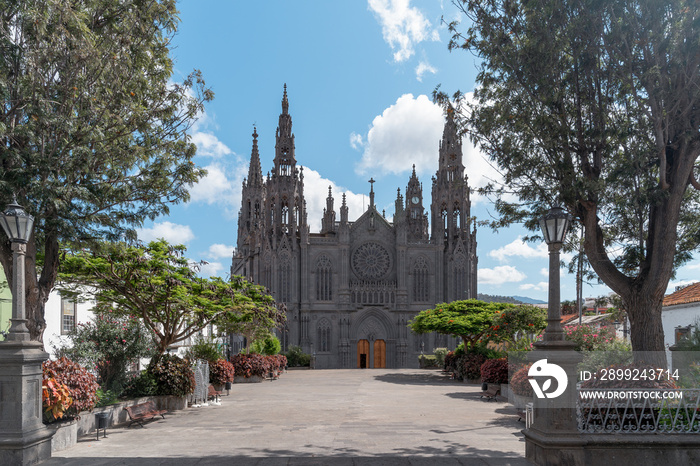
681,310
62,315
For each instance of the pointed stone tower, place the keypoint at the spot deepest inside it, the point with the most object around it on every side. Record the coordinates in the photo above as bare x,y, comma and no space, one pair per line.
285,189
450,213
416,218
252,201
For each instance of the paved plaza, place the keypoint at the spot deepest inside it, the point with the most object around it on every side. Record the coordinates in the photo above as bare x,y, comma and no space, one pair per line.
344,417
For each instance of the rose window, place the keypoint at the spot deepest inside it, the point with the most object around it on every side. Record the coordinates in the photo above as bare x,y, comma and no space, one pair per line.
371,261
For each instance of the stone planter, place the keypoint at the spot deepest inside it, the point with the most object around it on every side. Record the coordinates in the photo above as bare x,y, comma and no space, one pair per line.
251,379
65,434
519,401
505,390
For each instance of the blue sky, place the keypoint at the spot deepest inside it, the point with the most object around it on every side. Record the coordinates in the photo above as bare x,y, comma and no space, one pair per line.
359,77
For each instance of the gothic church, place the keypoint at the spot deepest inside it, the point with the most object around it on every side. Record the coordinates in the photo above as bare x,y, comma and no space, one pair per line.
351,288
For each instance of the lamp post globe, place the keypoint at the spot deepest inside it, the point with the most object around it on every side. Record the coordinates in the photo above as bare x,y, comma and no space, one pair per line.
555,225
17,223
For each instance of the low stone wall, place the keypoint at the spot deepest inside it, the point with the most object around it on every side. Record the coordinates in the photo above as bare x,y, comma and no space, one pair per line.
67,433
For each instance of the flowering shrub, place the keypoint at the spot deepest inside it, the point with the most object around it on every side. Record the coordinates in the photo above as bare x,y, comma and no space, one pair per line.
56,399
589,338
495,371
220,372
82,385
109,344
470,365
514,323
282,360
173,375
450,362
143,384
520,382
248,365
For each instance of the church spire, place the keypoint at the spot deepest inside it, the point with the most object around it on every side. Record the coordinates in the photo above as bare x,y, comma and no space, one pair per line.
285,162
255,171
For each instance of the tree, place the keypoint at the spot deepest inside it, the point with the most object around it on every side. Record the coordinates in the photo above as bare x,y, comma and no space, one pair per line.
157,284
109,344
92,129
595,105
469,319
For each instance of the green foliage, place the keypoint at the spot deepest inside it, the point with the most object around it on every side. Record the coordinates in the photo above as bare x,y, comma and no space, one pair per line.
427,361
93,128
173,375
440,354
615,352
269,345
517,323
109,344
578,103
158,284
82,385
470,319
106,398
221,371
297,358
207,348
495,371
589,338
142,384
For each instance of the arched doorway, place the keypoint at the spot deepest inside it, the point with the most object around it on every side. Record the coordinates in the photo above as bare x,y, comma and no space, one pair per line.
379,354
363,354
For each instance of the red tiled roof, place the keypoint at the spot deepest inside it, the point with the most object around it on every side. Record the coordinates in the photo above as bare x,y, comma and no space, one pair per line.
689,294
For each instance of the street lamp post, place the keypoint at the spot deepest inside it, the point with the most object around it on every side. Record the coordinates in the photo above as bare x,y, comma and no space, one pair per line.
555,426
24,439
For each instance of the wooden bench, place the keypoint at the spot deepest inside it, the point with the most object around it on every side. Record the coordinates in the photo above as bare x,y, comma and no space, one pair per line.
144,411
213,393
491,394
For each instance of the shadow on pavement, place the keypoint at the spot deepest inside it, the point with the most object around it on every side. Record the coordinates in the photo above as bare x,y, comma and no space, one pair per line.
295,461
429,377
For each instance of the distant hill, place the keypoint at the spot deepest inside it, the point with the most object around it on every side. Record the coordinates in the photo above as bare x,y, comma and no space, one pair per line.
526,300
508,299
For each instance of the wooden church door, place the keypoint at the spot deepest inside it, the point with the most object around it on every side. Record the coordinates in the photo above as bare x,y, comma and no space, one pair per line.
379,354
363,354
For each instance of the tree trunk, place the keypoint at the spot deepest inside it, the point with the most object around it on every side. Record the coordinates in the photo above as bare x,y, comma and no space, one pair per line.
647,332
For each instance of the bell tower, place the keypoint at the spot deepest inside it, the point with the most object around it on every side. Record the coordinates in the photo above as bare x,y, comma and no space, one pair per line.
285,205
451,221
416,219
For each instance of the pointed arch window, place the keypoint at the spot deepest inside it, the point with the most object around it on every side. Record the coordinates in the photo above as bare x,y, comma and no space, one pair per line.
459,276
457,217
443,214
421,279
324,279
324,336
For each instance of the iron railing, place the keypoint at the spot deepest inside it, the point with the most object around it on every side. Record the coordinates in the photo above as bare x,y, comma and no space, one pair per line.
201,379
635,411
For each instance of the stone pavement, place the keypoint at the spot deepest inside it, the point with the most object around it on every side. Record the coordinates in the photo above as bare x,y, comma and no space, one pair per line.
343,417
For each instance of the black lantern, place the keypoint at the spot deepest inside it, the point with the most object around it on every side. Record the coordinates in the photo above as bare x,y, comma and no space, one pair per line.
555,224
17,223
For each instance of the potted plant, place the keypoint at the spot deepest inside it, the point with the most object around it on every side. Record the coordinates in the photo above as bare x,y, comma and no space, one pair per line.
221,372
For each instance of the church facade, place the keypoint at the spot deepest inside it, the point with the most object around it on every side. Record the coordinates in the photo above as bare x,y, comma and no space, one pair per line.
351,288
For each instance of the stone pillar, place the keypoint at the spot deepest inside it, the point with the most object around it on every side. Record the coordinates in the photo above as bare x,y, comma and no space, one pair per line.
24,439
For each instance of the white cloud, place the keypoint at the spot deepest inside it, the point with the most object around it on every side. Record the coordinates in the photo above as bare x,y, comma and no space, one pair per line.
220,251
500,275
544,271
171,232
316,192
422,68
356,141
672,285
221,186
407,132
541,286
519,248
208,145
211,269
403,26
